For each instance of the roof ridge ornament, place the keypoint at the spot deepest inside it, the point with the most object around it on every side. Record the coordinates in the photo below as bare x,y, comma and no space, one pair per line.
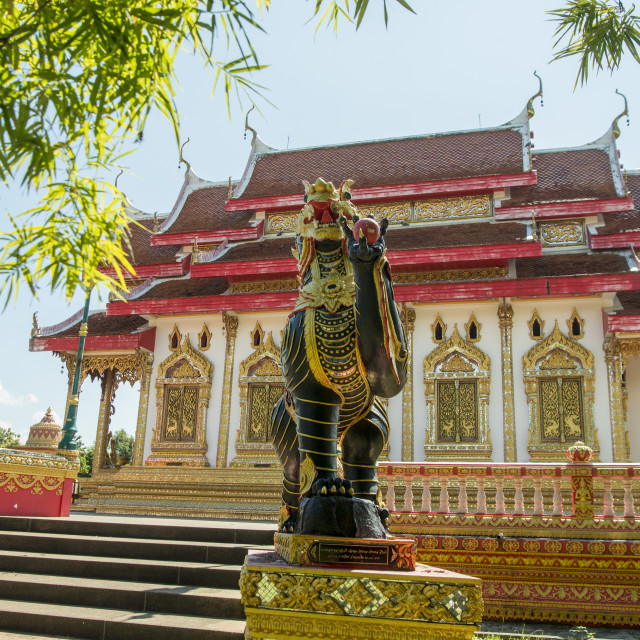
249,128
182,158
530,109
625,112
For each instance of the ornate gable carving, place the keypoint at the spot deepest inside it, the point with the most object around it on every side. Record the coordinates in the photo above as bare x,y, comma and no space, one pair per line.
558,342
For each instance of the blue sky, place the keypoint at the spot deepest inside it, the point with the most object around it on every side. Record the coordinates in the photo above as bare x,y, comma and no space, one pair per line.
453,66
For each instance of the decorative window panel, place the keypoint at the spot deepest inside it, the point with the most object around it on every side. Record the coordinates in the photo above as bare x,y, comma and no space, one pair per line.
559,383
453,208
561,412
565,233
457,411
281,222
262,399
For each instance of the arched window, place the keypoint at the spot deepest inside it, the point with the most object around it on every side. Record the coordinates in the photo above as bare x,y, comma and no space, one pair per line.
559,383
261,386
457,377
183,388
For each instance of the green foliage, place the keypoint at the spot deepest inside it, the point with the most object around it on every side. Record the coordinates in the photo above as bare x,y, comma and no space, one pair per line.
8,438
86,461
599,32
78,79
124,443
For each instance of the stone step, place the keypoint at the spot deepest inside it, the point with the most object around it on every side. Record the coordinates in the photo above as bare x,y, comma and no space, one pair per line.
196,530
114,594
113,624
217,575
16,635
177,550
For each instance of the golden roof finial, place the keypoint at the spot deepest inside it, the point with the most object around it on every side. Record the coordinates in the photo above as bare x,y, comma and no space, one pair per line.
156,225
116,183
182,157
530,109
230,191
625,112
248,128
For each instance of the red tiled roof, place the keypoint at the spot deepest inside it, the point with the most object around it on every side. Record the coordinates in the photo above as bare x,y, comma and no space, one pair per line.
185,288
570,265
99,324
143,252
204,211
567,175
438,157
458,235
630,301
626,220
259,250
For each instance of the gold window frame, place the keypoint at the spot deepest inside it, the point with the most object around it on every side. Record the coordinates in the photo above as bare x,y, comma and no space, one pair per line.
261,367
185,367
558,356
457,359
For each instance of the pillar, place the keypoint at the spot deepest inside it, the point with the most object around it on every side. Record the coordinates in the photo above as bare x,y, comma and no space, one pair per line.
505,320
146,371
231,331
104,418
615,368
409,317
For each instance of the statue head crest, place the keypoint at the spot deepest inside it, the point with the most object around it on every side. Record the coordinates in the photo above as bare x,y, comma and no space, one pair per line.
324,205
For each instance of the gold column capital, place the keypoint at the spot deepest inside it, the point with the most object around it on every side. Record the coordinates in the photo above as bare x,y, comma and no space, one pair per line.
230,326
505,313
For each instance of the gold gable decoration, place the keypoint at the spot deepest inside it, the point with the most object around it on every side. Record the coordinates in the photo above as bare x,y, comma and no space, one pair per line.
559,381
183,389
457,376
261,385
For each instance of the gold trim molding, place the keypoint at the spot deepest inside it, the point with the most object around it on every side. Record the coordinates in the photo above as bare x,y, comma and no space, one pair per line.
262,367
230,324
505,322
185,368
409,320
559,357
457,360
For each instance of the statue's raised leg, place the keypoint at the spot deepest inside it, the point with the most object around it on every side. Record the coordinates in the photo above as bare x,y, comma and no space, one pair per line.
362,444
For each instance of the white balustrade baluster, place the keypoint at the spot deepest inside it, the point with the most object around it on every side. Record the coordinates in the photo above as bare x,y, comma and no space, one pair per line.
500,510
481,498
608,511
426,494
518,498
444,494
408,493
538,508
462,495
629,508
391,493
557,497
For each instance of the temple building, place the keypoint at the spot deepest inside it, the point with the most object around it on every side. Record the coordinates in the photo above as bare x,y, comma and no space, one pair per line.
514,270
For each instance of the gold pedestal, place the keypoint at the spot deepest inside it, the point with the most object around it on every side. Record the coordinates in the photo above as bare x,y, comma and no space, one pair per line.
283,602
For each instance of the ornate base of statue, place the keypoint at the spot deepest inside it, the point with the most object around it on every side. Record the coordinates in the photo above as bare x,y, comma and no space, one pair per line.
285,601
390,554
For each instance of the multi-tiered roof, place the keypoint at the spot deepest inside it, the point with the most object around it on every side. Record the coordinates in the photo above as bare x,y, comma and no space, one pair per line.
474,215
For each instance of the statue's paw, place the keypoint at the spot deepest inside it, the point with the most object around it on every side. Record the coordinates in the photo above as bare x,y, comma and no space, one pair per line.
332,487
384,516
287,526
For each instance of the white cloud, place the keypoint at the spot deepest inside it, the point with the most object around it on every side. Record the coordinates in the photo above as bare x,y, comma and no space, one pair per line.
8,398
5,425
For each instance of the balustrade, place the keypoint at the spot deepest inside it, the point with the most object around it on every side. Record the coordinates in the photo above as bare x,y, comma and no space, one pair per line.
533,490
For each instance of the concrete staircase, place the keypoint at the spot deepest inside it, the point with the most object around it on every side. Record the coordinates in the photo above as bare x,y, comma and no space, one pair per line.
124,578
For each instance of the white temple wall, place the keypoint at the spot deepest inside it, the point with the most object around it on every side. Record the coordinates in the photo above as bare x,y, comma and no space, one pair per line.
590,310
